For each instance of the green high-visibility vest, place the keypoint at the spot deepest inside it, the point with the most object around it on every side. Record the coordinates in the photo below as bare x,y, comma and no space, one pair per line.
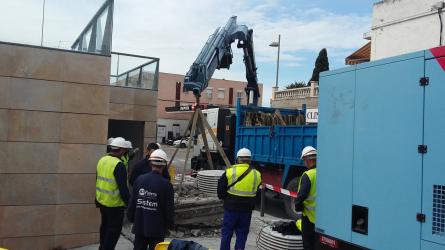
309,204
107,191
246,187
125,159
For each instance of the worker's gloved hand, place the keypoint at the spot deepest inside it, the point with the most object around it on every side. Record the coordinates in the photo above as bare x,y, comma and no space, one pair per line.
133,153
287,228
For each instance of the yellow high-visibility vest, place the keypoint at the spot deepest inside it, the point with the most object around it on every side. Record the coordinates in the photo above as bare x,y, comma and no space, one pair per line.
248,186
125,159
171,173
107,191
298,224
309,204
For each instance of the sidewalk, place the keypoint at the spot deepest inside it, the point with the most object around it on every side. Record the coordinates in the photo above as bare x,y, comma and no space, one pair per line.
257,224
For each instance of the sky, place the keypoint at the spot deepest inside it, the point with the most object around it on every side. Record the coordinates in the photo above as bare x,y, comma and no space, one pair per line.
175,31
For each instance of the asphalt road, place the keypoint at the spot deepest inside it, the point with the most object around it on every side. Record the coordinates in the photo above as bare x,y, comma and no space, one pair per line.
179,160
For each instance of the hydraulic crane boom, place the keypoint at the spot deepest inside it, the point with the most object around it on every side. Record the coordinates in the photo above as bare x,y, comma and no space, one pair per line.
217,54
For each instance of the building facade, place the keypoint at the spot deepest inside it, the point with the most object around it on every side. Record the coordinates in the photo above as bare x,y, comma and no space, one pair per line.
403,26
220,92
57,109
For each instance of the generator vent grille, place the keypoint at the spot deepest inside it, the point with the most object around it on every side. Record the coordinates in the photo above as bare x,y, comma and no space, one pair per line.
439,210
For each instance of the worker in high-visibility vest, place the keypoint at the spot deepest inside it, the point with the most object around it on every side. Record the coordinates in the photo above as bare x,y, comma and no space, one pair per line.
238,187
112,193
305,200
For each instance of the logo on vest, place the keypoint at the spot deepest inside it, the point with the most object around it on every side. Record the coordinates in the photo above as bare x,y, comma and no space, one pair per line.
147,200
146,193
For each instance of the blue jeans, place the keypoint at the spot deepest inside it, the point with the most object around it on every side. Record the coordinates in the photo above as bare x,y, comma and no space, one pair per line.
240,223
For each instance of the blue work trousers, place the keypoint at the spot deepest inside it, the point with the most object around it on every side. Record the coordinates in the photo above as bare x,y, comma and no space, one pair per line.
235,221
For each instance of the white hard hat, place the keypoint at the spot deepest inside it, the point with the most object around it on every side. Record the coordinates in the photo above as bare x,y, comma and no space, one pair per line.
119,142
128,145
307,151
244,152
110,140
158,155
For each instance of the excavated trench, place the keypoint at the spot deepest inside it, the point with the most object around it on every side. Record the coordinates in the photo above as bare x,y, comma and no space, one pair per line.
197,213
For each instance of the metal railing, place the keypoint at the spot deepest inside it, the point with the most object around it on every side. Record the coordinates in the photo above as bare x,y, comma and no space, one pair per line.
311,91
134,71
96,37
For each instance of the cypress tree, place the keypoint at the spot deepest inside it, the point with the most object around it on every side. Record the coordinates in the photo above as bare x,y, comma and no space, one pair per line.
321,64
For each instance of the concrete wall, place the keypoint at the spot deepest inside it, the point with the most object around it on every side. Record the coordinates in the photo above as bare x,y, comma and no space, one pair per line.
402,26
135,105
53,126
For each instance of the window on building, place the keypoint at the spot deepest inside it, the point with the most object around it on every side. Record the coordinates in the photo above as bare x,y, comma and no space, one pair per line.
209,92
221,93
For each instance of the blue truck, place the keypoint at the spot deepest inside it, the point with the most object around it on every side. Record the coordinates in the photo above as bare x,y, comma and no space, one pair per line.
381,164
276,148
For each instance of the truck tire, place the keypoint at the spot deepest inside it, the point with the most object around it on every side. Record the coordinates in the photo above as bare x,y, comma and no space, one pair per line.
289,202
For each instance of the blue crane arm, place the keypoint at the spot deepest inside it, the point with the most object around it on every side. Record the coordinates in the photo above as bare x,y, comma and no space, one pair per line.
217,54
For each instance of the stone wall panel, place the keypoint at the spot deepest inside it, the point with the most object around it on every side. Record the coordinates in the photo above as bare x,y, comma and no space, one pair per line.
4,92
4,124
23,221
28,189
146,97
77,218
145,113
83,98
27,243
76,188
33,126
150,129
83,128
121,111
30,94
26,157
122,95
55,65
79,158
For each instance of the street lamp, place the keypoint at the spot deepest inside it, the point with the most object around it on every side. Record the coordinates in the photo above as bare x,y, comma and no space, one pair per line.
277,44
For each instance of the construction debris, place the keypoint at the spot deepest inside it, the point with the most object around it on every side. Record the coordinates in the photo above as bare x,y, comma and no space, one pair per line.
194,207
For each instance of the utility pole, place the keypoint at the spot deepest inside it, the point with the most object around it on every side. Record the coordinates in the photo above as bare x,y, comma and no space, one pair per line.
43,23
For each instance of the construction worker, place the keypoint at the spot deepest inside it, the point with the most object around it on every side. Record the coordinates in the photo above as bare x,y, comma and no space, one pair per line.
109,141
143,166
126,157
238,188
305,200
112,193
151,207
